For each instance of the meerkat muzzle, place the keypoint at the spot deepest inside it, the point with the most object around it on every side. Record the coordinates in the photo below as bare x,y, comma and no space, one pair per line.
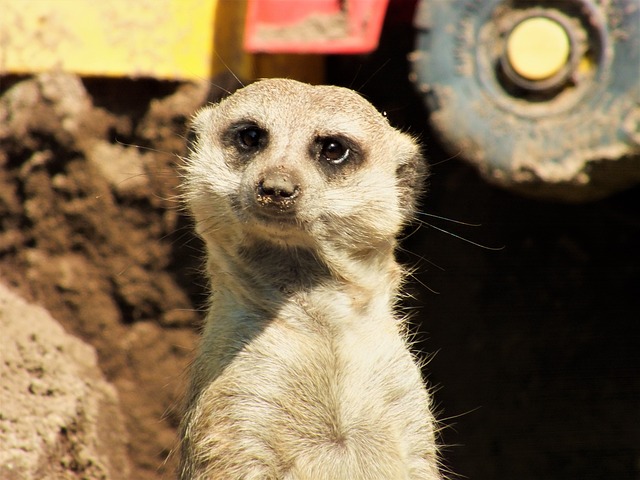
278,190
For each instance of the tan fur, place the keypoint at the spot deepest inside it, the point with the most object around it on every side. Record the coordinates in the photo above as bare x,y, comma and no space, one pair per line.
304,370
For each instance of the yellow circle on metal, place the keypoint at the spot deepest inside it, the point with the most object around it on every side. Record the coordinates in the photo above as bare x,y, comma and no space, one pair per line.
538,48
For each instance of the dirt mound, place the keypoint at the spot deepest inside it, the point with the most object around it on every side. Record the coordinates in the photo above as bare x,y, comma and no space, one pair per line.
59,418
90,228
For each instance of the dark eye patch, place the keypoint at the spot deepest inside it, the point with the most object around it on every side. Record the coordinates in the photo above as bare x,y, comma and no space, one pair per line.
246,137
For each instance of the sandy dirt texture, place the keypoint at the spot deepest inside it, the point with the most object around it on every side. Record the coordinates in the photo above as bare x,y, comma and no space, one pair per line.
90,229
59,418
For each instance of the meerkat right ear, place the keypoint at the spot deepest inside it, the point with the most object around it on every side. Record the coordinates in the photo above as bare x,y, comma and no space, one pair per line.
411,174
196,126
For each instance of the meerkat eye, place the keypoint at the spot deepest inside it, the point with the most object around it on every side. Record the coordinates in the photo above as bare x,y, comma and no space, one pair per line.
334,151
250,137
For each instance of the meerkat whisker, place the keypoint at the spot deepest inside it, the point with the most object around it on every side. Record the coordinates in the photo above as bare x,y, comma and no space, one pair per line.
459,237
447,219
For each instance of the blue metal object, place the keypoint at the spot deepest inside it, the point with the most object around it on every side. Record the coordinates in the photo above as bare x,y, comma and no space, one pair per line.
574,136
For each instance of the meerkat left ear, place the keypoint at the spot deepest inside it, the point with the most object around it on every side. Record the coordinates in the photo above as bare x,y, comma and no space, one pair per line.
411,174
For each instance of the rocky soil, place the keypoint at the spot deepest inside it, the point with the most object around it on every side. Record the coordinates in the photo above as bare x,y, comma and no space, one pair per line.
59,418
90,228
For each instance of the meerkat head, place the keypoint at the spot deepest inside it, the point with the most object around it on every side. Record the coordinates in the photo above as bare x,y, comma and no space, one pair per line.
294,164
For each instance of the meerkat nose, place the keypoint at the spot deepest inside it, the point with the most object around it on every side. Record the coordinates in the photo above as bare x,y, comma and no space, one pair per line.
278,188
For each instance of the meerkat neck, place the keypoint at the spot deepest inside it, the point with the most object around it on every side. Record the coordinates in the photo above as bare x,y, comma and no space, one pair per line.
265,275
374,271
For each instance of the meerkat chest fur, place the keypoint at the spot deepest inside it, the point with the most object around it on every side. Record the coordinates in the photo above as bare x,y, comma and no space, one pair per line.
304,369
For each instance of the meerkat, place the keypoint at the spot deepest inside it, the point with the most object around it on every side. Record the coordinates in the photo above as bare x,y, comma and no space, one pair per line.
304,371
